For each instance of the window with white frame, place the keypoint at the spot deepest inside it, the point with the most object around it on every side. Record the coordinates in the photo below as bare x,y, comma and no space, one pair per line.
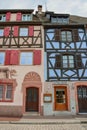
26,58
26,17
60,20
8,92
66,36
2,58
1,32
1,92
68,61
23,32
2,17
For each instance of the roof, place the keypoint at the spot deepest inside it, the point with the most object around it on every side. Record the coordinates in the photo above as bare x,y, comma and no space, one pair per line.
16,10
78,19
73,19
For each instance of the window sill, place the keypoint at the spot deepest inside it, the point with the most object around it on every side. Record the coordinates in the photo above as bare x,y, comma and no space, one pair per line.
6,100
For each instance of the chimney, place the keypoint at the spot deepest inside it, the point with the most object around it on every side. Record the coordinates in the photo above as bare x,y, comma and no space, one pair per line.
39,9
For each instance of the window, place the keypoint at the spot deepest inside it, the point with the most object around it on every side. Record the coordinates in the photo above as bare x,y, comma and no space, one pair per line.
66,36
60,96
1,91
26,17
2,17
6,92
26,58
2,58
68,61
23,32
60,20
1,32
48,16
54,20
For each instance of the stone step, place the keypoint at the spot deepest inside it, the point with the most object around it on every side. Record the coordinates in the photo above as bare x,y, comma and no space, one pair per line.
62,113
27,114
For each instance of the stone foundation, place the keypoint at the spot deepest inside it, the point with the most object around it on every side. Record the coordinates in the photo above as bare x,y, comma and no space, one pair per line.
11,111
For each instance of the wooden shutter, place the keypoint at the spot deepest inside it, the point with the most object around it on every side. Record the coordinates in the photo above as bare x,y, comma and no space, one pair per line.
37,57
7,57
86,29
15,33
6,31
75,35
14,57
31,30
8,15
19,16
58,61
78,61
57,35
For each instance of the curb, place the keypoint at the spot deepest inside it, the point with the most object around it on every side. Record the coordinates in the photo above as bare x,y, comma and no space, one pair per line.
42,123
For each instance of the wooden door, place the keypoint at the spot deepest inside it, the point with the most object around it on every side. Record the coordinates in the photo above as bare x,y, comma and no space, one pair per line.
32,99
82,98
60,94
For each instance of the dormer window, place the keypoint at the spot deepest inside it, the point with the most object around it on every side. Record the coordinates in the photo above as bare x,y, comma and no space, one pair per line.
2,17
48,16
60,20
26,17
54,20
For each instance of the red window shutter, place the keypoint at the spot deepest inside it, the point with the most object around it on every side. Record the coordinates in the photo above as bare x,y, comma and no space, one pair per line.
7,57
37,57
14,57
15,33
6,32
19,16
8,15
31,30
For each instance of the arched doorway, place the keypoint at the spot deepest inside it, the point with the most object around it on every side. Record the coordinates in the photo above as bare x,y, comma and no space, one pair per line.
32,99
82,98
32,87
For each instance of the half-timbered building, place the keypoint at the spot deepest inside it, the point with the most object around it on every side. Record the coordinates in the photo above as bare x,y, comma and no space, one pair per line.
65,64
21,62
43,63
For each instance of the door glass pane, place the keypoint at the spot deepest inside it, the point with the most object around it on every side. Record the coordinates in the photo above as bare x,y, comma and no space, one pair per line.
79,92
29,94
60,95
84,92
35,95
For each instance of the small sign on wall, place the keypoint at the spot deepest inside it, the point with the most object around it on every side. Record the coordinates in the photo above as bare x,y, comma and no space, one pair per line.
47,97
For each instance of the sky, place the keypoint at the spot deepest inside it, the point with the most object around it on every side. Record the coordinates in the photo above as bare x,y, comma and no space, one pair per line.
72,7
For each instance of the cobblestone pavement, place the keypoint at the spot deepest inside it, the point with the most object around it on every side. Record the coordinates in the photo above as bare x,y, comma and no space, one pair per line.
43,126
